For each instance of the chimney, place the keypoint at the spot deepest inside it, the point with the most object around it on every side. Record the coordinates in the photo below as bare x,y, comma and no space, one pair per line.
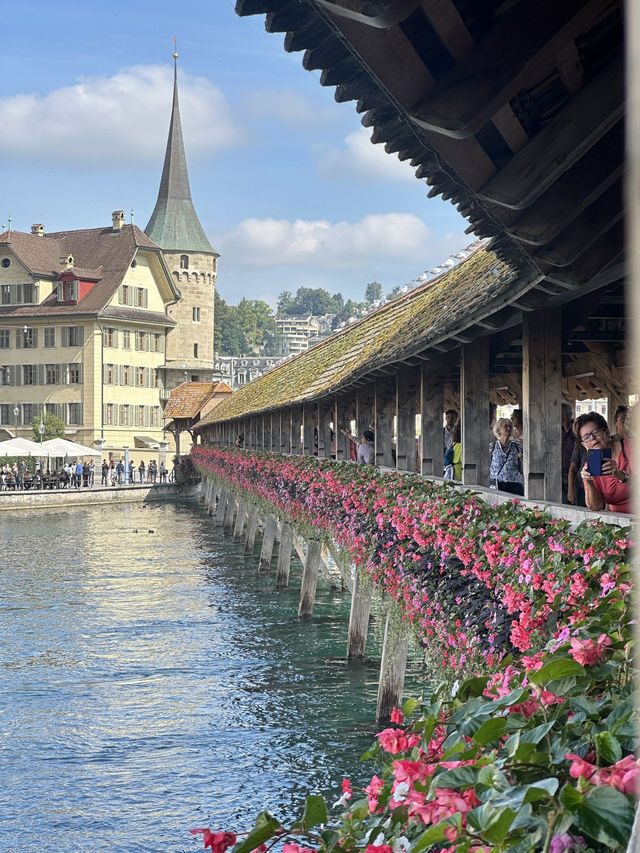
117,218
38,229
67,262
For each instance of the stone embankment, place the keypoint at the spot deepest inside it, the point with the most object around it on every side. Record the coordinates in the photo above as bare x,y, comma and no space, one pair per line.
35,499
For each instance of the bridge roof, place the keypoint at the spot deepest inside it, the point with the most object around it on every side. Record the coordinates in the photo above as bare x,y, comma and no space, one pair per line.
420,324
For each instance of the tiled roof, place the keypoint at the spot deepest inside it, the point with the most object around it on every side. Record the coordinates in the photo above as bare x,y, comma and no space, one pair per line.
188,398
404,327
100,253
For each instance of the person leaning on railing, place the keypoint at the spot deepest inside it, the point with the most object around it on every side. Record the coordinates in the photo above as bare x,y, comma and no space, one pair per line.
612,488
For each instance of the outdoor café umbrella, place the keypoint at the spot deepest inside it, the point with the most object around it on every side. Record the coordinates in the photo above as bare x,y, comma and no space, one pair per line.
59,447
24,447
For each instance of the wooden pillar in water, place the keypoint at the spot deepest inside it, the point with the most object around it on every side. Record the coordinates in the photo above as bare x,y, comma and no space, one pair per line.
541,401
432,411
407,388
392,668
474,398
310,578
230,512
359,617
270,530
241,518
284,555
385,409
252,527
222,505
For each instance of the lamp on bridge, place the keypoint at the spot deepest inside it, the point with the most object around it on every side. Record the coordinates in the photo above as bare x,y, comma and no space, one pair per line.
16,412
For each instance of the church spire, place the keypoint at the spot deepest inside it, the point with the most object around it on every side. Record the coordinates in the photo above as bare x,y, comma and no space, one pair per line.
174,223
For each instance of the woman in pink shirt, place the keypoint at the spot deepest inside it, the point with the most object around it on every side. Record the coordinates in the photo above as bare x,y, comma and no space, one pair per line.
612,489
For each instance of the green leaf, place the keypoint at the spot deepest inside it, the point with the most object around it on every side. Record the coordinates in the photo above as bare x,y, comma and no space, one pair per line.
570,798
458,777
515,797
409,707
265,828
536,734
315,811
606,815
436,833
492,777
490,730
608,747
558,668
330,838
472,687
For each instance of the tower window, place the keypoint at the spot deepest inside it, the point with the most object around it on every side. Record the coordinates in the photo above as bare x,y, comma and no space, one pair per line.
195,350
184,262
195,314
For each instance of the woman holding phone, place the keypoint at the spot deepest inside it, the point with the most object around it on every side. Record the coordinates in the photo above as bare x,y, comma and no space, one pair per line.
611,487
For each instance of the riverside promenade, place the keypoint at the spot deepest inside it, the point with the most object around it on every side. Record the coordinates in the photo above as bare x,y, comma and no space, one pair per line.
45,499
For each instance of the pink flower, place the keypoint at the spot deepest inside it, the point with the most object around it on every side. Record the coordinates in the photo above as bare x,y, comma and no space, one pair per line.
589,652
217,841
290,847
373,848
393,740
372,790
397,716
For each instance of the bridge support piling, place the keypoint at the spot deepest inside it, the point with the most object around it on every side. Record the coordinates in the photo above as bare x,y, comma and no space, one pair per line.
358,618
252,527
241,519
392,669
284,556
270,530
230,512
310,578
222,505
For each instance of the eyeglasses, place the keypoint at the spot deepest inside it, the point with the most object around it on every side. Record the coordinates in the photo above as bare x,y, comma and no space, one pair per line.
590,436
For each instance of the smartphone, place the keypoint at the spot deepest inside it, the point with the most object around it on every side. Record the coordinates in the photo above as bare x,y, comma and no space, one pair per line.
594,461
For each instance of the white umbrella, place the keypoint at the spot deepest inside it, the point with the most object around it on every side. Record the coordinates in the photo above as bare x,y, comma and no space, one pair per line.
24,447
59,447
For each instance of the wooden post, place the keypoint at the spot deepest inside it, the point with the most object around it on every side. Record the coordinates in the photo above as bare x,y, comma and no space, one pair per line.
266,432
541,400
310,578
284,555
308,426
275,433
474,397
252,527
230,512
365,408
241,518
385,410
407,389
285,434
341,420
325,417
431,412
392,669
296,428
270,530
222,505
359,618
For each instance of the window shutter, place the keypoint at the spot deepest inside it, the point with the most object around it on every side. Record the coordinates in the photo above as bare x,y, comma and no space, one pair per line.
104,414
80,335
121,295
59,291
17,294
104,374
80,372
65,336
115,337
19,338
120,373
41,376
145,298
34,337
36,293
18,374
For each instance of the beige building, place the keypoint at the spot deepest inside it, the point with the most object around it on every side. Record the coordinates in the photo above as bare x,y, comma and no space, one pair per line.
98,325
296,332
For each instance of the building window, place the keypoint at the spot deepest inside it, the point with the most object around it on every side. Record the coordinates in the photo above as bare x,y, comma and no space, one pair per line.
195,314
68,291
6,262
52,374
140,421
72,336
124,415
157,343
109,374
195,350
155,416
29,337
142,298
140,377
28,293
123,296
195,377
142,342
28,412
126,339
5,294
5,338
108,415
50,337
75,373
28,374
75,413
184,262
110,337
126,374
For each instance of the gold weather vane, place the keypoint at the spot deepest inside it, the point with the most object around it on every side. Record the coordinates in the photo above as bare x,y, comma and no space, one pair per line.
175,47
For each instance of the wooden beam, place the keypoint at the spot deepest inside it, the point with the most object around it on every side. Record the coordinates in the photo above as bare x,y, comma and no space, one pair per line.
561,143
474,394
506,60
385,409
407,390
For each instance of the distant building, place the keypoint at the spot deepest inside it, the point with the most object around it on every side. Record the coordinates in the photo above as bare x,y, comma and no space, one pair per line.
294,333
237,371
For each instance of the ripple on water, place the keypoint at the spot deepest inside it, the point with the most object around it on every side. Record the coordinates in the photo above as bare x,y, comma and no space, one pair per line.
150,683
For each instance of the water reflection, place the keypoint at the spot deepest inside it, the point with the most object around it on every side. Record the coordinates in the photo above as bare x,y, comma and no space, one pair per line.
150,682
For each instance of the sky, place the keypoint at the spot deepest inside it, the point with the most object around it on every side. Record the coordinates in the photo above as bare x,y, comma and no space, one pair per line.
285,181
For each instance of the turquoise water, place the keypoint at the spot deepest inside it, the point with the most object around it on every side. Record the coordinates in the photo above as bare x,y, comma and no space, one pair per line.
152,681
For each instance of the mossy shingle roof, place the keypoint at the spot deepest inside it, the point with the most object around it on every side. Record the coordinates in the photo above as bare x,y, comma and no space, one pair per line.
406,326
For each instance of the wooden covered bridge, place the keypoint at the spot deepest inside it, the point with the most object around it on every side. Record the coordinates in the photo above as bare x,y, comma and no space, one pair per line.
514,112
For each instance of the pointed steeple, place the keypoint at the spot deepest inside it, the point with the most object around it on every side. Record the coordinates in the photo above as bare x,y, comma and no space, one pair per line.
174,223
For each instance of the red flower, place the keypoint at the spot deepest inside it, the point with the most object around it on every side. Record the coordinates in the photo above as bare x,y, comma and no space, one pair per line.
217,841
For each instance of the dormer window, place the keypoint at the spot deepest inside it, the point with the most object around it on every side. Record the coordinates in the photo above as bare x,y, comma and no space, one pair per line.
184,262
68,291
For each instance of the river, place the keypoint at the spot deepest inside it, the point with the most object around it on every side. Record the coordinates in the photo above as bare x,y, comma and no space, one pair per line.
151,681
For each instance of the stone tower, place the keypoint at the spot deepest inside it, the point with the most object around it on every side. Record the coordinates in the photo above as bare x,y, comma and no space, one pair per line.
191,259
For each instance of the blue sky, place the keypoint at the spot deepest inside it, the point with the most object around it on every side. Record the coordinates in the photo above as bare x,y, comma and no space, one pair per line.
285,181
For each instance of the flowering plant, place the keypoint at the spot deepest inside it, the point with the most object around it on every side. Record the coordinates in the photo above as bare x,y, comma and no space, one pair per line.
534,750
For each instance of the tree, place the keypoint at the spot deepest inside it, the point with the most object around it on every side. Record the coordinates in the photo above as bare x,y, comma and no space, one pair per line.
284,302
395,291
53,427
373,292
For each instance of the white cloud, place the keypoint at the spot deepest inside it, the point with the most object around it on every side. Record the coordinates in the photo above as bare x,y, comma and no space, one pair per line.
340,245
288,108
106,120
362,160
